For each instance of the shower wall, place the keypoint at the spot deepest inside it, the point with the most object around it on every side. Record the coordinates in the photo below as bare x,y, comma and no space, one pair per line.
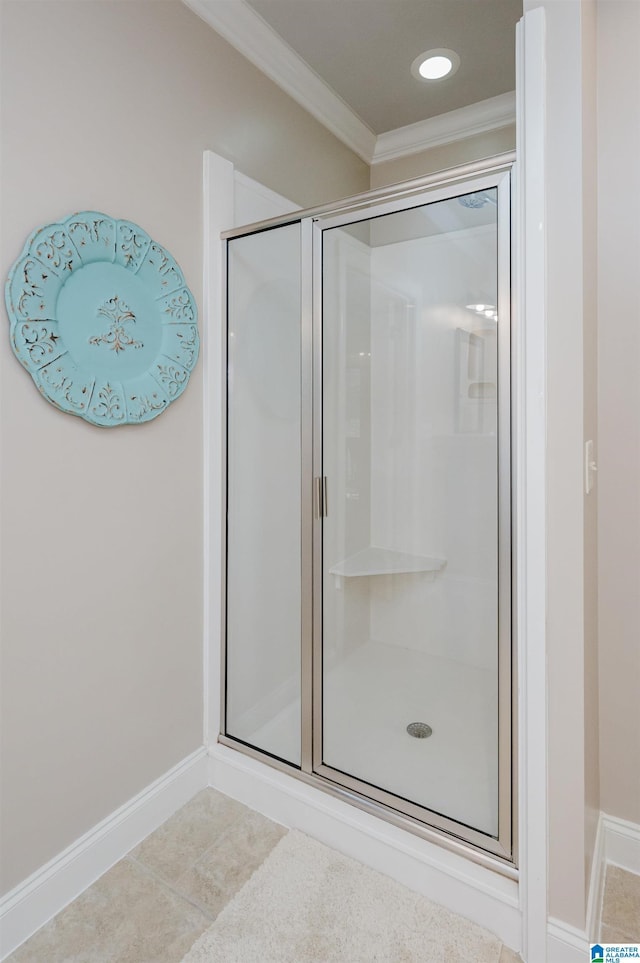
347,417
417,462
434,395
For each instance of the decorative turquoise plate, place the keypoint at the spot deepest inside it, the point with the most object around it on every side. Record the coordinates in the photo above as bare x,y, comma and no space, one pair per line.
102,320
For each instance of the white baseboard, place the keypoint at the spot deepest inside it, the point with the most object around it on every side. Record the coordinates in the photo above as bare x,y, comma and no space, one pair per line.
596,883
473,891
565,943
485,897
622,843
35,901
617,843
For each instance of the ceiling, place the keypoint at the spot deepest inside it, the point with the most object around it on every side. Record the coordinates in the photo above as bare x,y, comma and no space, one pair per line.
363,50
348,63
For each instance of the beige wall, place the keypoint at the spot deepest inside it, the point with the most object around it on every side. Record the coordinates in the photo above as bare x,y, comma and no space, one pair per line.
619,405
109,106
446,155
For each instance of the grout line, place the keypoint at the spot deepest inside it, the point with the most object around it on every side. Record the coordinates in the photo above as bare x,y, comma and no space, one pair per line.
233,826
183,898
170,886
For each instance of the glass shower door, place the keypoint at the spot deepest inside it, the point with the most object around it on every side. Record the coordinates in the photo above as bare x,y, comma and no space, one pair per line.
413,660
263,578
367,591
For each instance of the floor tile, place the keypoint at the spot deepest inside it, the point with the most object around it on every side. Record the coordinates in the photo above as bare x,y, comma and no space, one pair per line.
127,916
310,904
152,906
226,866
621,905
613,934
173,848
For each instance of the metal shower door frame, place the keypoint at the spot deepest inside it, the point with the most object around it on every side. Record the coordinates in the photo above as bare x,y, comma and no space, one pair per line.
502,845
498,853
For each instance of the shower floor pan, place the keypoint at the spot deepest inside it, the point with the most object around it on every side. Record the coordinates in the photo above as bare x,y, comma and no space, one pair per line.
373,693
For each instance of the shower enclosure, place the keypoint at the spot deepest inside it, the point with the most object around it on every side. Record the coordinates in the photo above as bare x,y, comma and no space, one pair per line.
367,600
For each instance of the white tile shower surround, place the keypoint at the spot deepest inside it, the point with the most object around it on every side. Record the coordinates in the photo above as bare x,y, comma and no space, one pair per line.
373,694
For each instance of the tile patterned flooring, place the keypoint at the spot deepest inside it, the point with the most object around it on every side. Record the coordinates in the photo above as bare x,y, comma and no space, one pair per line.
621,907
153,905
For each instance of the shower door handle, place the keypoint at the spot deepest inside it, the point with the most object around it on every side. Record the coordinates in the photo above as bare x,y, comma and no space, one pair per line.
320,497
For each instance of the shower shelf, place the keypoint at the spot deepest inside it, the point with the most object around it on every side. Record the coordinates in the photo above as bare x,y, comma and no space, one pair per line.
385,561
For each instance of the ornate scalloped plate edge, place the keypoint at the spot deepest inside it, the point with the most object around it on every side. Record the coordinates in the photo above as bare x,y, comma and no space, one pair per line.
102,319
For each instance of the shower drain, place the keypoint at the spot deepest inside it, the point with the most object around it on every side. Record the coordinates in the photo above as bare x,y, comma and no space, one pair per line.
419,730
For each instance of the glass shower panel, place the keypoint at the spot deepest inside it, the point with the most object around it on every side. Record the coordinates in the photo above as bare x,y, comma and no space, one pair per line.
410,537
263,587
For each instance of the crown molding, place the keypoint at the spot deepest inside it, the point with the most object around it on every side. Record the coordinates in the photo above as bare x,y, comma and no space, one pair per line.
245,30
486,115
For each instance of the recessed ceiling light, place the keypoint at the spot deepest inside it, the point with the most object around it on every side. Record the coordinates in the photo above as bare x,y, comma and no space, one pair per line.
435,64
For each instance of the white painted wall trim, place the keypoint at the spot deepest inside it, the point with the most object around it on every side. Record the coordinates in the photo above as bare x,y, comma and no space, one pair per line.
245,30
617,844
529,340
479,118
621,843
486,897
565,944
596,884
238,23
35,901
218,187
218,214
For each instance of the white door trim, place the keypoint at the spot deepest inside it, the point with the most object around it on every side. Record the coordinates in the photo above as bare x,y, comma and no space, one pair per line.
530,478
218,193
